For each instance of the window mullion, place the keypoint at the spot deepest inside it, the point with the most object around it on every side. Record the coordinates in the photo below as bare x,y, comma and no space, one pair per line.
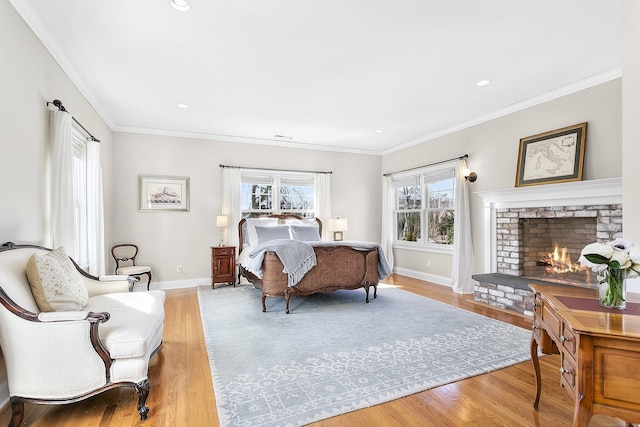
276,195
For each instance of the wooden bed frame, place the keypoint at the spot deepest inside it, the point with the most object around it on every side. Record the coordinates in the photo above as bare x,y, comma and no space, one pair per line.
338,267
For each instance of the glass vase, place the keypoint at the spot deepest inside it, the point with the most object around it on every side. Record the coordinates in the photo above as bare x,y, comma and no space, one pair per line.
612,289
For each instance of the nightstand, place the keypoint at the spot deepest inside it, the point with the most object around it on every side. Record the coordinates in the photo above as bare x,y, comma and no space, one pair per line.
223,265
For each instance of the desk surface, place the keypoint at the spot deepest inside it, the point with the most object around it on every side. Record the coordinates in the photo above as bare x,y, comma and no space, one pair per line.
593,320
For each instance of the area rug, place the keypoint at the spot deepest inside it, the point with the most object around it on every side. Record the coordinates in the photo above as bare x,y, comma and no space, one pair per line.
335,354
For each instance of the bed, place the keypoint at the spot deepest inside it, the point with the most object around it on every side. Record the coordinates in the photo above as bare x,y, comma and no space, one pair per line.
264,243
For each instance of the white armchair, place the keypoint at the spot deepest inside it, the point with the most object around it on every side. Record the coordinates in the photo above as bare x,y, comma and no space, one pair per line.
61,357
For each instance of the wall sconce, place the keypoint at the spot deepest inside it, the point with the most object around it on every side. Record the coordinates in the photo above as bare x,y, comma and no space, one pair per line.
222,222
470,176
339,225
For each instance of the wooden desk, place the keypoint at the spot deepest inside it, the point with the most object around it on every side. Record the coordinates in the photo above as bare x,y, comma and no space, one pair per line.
599,351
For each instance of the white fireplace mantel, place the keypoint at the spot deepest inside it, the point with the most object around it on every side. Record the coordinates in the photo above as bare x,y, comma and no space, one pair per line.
592,192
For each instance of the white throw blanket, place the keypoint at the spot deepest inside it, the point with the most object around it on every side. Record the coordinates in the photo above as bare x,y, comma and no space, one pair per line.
296,257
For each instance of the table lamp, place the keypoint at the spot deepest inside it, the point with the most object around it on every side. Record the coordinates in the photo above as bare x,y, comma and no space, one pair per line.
339,225
222,221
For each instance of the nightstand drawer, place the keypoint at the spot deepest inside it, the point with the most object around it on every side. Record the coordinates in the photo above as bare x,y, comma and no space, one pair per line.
223,251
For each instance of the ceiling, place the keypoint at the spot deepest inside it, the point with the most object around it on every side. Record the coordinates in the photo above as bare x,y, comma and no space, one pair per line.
325,74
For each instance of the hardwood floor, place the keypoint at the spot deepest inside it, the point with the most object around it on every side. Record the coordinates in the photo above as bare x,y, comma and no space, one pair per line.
182,391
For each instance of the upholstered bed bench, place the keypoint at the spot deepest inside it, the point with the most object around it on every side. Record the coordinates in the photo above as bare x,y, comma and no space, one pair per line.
67,336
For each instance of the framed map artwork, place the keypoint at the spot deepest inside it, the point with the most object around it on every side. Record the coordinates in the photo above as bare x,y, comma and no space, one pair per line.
552,157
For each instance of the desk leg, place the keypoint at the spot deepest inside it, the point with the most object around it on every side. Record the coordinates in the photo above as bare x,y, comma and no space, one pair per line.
536,368
582,414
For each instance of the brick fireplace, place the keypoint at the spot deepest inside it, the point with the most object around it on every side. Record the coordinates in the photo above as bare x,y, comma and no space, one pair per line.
526,238
522,227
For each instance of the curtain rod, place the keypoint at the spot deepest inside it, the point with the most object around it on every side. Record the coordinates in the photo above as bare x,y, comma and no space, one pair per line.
271,169
58,104
424,166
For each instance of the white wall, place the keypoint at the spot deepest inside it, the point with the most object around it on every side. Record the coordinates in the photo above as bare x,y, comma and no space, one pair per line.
493,150
167,239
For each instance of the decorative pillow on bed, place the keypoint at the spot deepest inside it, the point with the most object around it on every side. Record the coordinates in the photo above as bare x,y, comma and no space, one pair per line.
305,233
55,283
266,234
251,228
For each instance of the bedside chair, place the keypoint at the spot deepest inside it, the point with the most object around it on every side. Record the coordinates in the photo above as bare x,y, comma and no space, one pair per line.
125,256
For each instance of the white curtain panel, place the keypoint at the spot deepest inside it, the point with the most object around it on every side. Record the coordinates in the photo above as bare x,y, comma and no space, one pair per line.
62,216
462,268
95,208
387,235
231,202
323,202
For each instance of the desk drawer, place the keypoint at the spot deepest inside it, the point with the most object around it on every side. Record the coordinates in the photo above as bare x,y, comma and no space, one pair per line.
568,340
550,319
568,375
537,305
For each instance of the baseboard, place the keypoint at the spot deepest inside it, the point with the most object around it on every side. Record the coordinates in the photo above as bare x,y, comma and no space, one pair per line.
177,284
438,280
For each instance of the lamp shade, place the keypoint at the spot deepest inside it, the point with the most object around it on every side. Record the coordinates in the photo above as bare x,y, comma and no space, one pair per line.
340,224
222,221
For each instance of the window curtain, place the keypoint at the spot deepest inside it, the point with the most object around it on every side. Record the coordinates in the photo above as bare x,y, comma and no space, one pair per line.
322,202
95,211
387,235
62,210
462,242
231,202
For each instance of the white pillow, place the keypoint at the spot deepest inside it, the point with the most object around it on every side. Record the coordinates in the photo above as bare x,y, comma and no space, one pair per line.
305,233
251,228
274,232
55,283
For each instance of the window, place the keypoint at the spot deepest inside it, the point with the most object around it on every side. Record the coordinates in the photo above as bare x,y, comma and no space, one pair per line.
277,193
80,205
430,223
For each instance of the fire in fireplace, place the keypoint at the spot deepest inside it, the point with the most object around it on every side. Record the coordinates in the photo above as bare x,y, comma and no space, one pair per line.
559,266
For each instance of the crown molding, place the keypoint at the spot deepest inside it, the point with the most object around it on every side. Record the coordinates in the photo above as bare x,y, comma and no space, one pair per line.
243,139
527,103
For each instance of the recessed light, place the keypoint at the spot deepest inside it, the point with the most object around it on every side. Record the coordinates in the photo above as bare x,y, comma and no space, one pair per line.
180,5
182,106
483,82
378,130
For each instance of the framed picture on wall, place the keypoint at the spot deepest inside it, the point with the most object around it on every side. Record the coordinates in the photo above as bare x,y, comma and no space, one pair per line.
552,157
163,193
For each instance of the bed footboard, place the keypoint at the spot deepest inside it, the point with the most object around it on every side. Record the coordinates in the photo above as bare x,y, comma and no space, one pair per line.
338,267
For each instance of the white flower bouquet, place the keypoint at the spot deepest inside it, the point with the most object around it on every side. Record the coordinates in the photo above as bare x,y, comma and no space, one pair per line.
613,262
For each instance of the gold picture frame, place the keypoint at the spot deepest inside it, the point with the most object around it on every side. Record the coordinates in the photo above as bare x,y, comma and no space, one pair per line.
552,157
163,193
